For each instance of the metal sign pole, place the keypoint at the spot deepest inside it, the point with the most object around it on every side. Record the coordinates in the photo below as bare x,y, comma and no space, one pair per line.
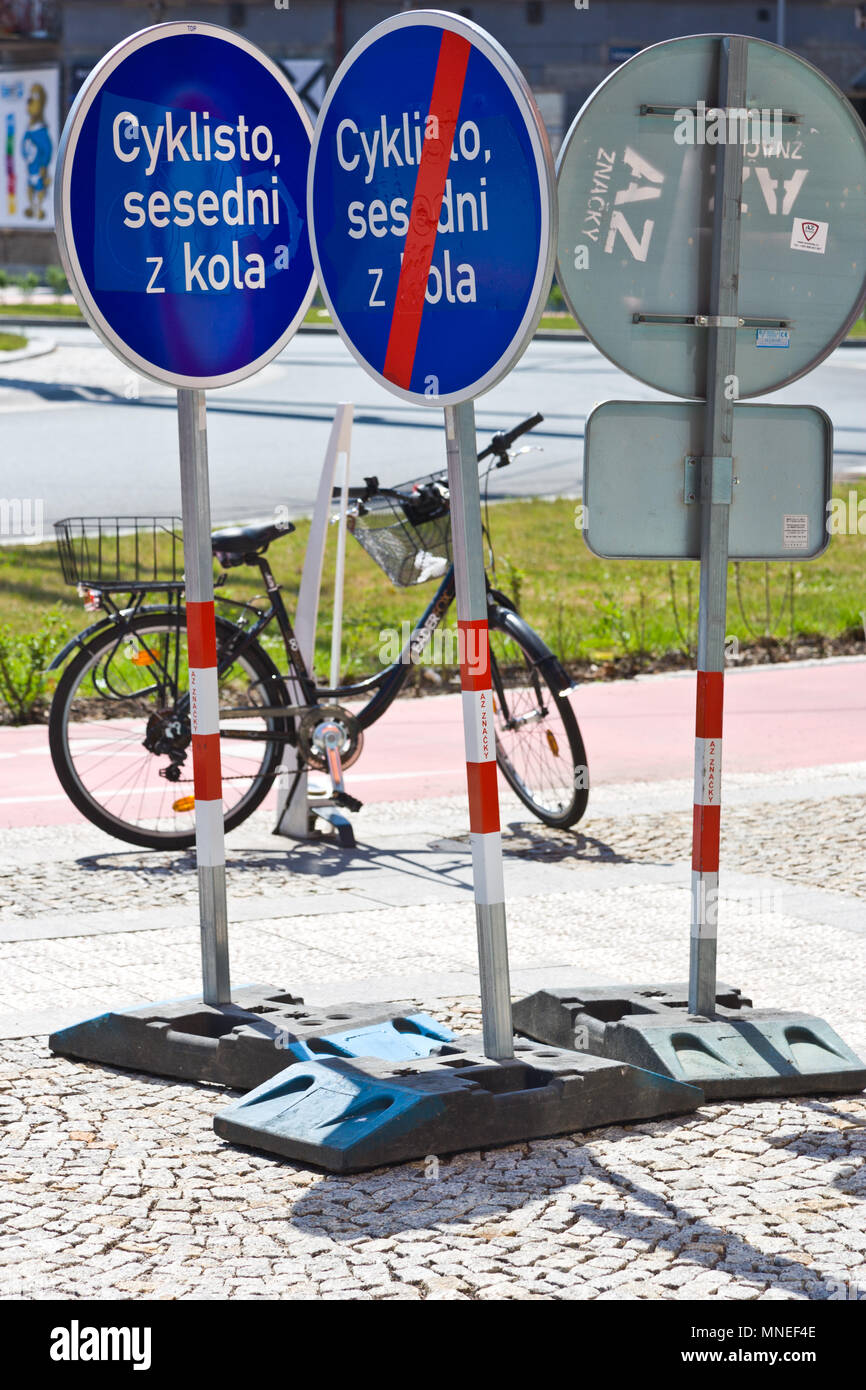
717,470
203,697
479,733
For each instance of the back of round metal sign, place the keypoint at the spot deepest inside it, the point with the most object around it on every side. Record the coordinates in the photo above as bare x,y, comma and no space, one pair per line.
635,181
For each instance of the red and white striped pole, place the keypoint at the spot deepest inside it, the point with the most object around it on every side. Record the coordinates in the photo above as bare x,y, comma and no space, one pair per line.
705,840
480,737
717,470
204,697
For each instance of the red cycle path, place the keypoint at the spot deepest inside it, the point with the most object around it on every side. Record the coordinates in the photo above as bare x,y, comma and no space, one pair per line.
775,718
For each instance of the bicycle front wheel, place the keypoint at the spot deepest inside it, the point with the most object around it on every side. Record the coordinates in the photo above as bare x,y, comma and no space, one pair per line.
120,737
539,747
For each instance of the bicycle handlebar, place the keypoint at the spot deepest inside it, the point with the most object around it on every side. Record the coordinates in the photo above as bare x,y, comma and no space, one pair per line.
358,494
499,445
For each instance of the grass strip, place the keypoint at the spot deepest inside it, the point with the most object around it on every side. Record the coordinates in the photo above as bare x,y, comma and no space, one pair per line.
601,617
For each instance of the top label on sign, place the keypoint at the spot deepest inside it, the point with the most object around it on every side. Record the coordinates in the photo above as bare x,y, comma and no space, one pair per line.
180,205
431,207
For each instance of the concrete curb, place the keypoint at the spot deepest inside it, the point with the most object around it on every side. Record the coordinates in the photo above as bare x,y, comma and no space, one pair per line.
44,321
37,346
79,321
547,335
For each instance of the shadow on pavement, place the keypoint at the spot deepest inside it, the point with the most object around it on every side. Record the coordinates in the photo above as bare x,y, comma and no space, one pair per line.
468,1187
445,861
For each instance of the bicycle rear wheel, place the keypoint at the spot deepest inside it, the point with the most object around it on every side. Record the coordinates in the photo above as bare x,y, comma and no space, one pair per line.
118,724
539,747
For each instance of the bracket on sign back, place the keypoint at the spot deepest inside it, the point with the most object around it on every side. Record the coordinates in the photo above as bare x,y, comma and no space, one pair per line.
722,479
693,476
691,479
712,320
654,109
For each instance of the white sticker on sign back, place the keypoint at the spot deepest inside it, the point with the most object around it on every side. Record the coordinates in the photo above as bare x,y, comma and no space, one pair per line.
809,236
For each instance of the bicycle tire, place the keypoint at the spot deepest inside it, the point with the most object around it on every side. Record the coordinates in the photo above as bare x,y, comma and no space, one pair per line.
543,669
264,670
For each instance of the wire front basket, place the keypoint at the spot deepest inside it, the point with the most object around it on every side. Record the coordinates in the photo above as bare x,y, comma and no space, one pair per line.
408,537
121,551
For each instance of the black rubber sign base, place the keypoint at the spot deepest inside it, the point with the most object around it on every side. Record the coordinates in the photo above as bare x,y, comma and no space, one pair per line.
243,1043
346,1116
739,1052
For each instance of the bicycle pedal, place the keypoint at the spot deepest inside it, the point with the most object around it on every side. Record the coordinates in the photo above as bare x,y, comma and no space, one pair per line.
351,803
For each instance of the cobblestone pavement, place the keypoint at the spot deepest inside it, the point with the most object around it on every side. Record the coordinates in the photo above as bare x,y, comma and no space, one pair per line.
810,838
115,1185
811,842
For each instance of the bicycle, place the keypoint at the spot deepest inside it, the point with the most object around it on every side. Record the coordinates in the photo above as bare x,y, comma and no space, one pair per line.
130,670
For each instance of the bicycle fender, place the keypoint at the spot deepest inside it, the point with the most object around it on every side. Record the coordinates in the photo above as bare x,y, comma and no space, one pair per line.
81,639
496,599
509,620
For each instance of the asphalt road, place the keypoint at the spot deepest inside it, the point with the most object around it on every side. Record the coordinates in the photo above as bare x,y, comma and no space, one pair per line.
73,437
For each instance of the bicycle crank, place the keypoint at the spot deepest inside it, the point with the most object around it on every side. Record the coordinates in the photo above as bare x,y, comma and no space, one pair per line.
325,728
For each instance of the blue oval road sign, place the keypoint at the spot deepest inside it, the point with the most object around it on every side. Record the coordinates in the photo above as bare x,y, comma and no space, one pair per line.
181,205
432,207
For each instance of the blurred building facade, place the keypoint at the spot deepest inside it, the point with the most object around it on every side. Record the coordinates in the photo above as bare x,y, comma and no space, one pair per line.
565,48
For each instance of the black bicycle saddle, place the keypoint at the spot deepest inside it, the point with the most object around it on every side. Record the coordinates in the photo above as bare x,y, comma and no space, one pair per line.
243,540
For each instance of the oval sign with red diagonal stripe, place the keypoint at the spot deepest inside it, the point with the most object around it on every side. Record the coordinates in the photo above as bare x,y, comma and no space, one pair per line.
431,203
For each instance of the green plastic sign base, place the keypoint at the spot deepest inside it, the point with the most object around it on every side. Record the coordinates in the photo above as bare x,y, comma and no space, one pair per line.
740,1052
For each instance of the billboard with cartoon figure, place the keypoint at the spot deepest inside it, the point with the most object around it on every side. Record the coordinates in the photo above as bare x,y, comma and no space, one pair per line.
29,102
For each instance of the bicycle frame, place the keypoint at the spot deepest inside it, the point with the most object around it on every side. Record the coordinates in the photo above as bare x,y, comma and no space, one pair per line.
390,680
385,684
132,655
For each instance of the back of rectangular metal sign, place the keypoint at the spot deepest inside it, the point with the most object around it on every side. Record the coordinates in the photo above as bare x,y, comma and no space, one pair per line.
637,480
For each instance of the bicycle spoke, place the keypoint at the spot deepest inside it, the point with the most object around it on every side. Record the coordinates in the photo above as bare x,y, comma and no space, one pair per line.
527,715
